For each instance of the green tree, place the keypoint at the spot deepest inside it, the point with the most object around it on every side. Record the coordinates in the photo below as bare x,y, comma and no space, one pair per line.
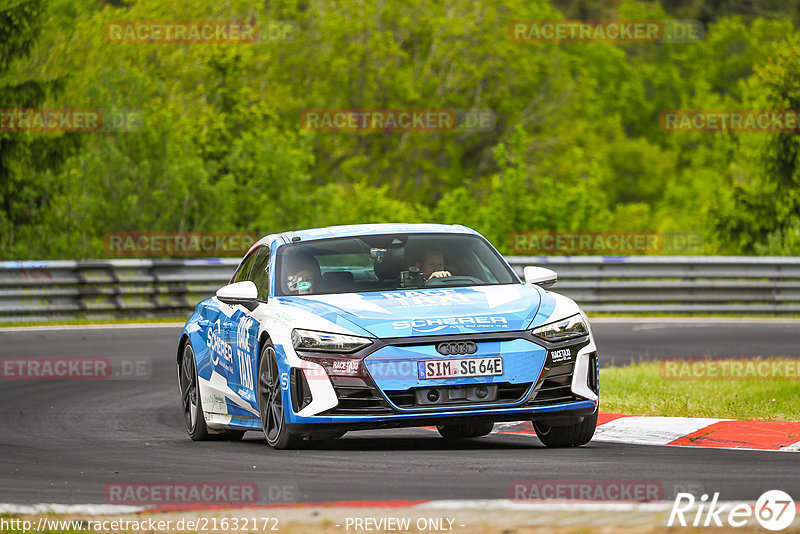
760,212
27,184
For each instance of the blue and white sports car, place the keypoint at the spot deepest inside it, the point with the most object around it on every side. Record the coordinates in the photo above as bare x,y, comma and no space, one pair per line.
374,326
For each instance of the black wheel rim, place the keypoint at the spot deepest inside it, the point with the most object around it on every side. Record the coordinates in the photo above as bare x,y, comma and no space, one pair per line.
269,392
189,388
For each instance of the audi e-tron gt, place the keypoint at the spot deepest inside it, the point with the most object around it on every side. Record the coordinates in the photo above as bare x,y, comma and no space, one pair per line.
329,330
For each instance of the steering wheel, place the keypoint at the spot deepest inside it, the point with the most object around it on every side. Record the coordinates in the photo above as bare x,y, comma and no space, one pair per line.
453,281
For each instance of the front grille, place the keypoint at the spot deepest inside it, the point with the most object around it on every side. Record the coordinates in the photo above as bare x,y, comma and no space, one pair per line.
357,397
554,387
402,398
507,393
511,392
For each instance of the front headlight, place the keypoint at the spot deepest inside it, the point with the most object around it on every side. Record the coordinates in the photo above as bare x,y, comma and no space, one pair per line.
323,341
562,330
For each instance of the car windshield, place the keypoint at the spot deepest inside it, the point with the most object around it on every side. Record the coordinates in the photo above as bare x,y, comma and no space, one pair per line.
388,262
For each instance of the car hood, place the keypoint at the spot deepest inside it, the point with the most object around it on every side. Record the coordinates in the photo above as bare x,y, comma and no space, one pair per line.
428,312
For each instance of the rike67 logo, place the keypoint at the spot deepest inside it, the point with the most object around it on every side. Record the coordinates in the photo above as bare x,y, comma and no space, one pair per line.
774,510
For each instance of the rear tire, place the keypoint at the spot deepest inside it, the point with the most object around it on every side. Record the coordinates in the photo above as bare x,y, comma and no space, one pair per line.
466,430
190,396
567,436
192,406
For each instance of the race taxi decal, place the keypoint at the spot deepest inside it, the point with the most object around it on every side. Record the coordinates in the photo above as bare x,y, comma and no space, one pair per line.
244,347
560,355
427,297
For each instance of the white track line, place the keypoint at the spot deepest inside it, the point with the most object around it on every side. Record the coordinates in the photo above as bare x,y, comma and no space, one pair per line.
89,327
481,504
648,430
89,509
795,447
547,505
651,430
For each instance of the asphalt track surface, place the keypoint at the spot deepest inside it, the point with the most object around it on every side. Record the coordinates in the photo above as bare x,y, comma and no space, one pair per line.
62,442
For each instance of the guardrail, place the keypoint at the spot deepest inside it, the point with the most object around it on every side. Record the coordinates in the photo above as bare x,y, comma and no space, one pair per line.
676,284
43,290
32,291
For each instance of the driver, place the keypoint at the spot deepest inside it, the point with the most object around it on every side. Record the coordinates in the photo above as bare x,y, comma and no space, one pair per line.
432,265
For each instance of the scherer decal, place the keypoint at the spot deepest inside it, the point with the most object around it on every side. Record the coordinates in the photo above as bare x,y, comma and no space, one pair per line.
216,342
438,323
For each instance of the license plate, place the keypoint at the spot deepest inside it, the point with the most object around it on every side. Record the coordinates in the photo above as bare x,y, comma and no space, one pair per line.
464,367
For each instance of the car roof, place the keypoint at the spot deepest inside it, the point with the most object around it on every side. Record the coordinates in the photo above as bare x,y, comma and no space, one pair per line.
373,229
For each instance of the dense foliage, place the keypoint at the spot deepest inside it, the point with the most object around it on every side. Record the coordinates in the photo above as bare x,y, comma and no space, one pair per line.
217,143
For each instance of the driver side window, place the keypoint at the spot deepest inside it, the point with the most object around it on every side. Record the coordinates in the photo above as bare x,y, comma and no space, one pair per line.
243,272
260,272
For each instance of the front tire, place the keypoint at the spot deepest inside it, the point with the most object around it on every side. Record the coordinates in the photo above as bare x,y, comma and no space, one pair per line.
270,402
569,435
467,430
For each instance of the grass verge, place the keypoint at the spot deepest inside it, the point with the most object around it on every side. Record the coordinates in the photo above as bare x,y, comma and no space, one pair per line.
640,389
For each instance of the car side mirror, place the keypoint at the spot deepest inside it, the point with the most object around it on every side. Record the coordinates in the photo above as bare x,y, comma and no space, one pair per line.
540,276
244,293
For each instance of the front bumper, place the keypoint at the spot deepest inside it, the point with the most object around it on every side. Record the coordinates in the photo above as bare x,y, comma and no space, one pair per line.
563,414
381,387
